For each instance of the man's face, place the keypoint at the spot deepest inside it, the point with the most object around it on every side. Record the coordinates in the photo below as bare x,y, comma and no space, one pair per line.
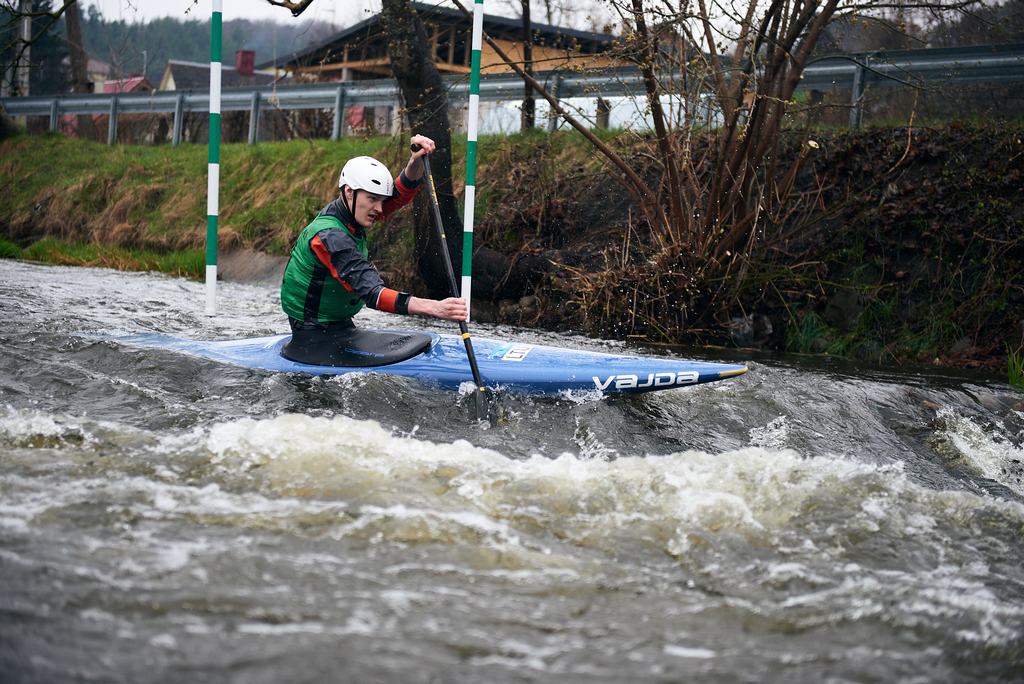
369,207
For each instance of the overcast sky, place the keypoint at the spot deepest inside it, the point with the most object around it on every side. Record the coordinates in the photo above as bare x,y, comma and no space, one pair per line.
341,12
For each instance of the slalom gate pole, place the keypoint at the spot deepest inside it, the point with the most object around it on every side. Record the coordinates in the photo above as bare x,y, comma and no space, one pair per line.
472,123
213,159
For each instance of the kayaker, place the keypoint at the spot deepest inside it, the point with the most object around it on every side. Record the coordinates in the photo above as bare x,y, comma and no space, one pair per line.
329,278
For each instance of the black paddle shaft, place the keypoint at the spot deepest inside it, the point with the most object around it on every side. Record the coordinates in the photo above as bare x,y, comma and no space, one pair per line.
439,224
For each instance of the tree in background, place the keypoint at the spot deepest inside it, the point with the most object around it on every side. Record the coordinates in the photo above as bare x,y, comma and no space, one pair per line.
122,43
426,106
982,25
719,80
48,49
528,118
79,64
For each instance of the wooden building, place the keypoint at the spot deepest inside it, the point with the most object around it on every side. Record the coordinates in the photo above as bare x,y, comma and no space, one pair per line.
360,51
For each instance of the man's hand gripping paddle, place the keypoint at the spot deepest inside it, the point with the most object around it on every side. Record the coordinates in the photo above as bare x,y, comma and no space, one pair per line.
482,412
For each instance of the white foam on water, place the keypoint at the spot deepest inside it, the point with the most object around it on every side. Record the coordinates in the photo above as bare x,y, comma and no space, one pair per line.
590,445
668,502
269,629
97,615
687,652
22,428
475,523
526,520
27,427
581,396
164,641
20,502
158,393
787,571
362,622
30,506
990,452
516,654
772,436
947,594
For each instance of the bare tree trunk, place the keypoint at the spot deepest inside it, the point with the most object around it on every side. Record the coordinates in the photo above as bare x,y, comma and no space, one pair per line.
528,118
670,184
24,60
426,103
629,180
79,64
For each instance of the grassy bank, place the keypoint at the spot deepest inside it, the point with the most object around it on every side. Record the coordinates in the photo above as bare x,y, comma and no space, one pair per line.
186,263
909,246
154,197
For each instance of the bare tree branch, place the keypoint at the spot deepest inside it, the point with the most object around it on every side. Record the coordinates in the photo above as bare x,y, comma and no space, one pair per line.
296,8
641,191
16,15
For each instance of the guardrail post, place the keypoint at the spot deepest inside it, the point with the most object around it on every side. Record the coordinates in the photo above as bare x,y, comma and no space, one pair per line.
54,116
339,114
179,113
112,124
604,113
254,117
552,115
857,97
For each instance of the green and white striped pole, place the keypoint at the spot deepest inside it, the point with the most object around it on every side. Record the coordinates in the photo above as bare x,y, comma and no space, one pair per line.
472,121
213,161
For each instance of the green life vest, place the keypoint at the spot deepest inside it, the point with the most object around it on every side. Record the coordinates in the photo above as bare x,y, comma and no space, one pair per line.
310,291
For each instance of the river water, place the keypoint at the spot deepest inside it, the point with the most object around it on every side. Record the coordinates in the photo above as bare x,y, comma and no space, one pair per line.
168,519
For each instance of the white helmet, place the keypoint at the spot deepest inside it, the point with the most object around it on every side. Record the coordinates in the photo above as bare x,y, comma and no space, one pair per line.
366,173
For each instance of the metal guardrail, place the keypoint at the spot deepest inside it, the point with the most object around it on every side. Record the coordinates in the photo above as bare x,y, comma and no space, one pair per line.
856,71
913,68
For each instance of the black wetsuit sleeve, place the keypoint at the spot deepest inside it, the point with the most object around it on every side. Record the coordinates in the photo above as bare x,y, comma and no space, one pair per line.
351,267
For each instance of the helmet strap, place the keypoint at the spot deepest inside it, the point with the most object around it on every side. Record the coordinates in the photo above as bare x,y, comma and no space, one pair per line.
352,209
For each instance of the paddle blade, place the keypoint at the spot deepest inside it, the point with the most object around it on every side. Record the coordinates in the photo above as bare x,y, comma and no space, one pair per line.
482,406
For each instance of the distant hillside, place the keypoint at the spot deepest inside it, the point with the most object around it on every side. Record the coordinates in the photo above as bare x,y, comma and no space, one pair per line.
121,44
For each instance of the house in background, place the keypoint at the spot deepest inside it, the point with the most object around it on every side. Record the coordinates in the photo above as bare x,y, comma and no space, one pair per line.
97,72
274,124
132,84
70,123
360,52
181,75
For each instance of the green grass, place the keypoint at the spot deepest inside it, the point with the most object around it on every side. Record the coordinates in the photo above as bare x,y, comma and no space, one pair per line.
1015,367
189,263
9,250
155,196
878,333
809,334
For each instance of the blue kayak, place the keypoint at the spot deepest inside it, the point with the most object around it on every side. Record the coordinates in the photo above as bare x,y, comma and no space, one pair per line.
441,360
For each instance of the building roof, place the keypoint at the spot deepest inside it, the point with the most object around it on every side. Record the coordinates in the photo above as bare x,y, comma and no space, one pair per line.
93,66
495,26
128,85
182,75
